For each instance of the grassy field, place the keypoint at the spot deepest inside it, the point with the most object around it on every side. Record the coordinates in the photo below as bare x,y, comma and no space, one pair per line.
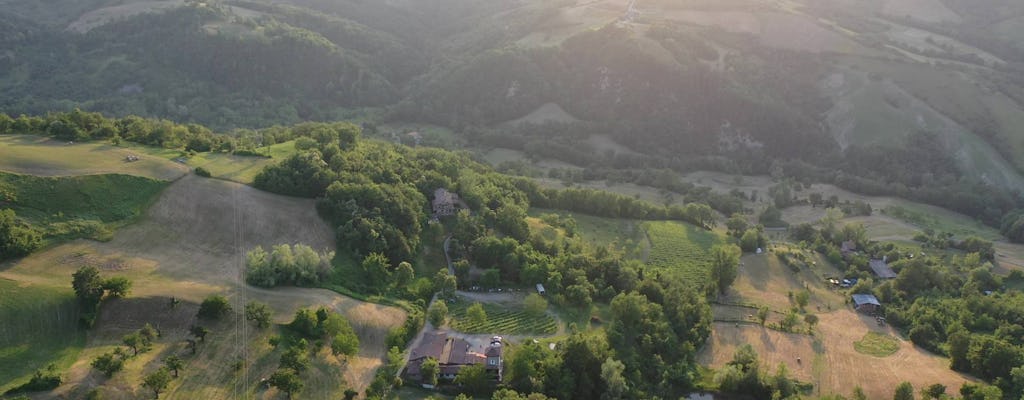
681,249
81,206
190,243
501,320
38,155
241,169
40,326
623,234
877,344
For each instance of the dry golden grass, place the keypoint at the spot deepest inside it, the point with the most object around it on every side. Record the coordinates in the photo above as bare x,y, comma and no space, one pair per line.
828,358
191,244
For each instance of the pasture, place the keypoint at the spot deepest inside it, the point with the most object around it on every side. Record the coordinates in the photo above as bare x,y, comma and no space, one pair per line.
681,249
40,327
502,319
241,169
42,156
189,244
830,358
63,208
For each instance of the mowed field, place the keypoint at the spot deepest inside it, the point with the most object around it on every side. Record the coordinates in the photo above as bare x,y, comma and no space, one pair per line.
38,155
828,359
188,245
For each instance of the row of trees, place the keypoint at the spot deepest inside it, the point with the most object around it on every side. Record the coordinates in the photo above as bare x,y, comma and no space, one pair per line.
297,265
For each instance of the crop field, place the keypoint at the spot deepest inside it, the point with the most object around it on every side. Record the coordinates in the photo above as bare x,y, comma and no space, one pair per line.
681,249
501,320
42,156
40,327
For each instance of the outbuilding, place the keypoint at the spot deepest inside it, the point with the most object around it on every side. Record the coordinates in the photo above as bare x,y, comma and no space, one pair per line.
866,303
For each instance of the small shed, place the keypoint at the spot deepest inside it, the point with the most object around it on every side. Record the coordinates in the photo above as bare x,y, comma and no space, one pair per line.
540,288
882,269
866,303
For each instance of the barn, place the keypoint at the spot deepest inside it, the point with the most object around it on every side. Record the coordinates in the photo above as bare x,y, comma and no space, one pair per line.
866,303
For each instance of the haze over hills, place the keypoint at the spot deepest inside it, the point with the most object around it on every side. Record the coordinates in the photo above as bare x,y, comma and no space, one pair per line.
631,198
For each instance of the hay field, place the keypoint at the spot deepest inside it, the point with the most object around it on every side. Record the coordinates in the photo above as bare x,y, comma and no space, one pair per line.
190,244
828,358
38,155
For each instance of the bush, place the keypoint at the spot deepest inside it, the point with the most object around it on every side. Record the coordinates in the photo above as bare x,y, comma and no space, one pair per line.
214,307
202,172
43,379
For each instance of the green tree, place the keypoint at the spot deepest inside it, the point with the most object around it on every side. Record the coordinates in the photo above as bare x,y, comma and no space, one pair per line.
614,381
306,323
134,341
199,332
858,393
737,225
474,380
346,343
535,304
934,391
476,314
108,364
491,278
724,264
762,314
430,369
904,391
750,240
87,284
287,381
15,240
117,286
790,321
446,284
174,363
811,321
157,381
376,270
404,275
801,298
214,307
437,312
259,313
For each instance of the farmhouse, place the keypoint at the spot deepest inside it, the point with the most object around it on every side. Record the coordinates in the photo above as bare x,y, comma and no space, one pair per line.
866,303
882,269
445,202
452,354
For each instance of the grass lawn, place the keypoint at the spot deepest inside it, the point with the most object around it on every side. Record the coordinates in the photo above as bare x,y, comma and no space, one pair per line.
241,169
501,320
37,155
877,344
681,249
40,326
80,206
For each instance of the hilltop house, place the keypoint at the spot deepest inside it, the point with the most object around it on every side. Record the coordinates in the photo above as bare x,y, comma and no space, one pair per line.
866,303
453,354
445,203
